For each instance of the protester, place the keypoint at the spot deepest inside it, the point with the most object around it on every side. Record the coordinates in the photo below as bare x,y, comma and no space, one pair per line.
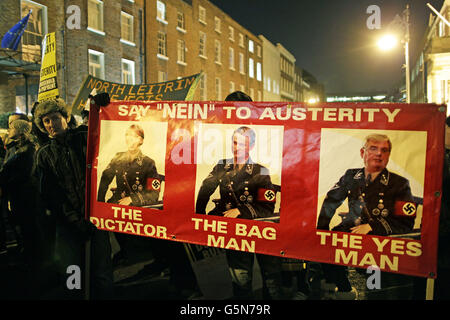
42,137
19,187
61,167
240,182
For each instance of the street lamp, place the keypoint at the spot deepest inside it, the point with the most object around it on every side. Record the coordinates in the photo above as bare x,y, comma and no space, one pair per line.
389,41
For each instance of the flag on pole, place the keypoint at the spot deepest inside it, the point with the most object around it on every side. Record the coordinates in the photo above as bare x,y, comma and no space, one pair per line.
12,38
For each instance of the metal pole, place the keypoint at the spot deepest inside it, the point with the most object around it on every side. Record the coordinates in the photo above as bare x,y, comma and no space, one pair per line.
407,75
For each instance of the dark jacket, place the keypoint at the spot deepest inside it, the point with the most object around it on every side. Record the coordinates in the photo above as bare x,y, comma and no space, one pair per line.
137,179
61,168
250,190
382,199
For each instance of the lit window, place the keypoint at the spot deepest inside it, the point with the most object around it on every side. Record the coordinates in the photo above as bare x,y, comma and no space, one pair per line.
180,20
231,58
95,15
251,70
35,31
162,43
128,71
250,46
181,49
231,33
127,26
217,52
202,14
160,11
96,64
258,71
217,24
202,44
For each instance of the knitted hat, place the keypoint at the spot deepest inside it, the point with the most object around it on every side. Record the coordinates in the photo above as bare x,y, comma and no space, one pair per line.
19,127
46,107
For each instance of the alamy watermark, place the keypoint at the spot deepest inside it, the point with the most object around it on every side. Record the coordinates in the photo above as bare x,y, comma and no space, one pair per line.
374,20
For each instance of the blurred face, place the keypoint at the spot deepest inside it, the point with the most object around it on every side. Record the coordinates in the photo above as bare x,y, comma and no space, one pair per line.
375,155
241,148
54,123
133,140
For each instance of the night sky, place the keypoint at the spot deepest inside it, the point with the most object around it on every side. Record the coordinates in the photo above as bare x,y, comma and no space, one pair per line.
331,40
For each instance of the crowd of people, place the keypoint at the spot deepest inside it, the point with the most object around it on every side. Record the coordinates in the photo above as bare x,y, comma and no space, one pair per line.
42,188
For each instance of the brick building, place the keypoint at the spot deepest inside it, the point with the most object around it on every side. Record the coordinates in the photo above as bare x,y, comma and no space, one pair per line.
187,37
102,38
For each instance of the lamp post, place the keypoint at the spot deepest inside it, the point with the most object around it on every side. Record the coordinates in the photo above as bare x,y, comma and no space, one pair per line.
388,42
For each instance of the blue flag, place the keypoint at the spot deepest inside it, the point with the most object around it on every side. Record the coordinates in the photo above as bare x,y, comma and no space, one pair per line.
12,38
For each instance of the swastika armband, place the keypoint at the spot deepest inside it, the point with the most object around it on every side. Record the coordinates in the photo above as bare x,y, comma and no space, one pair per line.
266,195
153,184
405,208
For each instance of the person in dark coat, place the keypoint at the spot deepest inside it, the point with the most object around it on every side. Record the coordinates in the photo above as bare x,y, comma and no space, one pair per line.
61,168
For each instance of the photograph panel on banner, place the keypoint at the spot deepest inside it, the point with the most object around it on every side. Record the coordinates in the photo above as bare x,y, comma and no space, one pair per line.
251,190
131,163
372,181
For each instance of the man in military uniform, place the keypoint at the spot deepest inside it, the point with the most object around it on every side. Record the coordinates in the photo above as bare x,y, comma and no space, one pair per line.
246,192
380,203
136,175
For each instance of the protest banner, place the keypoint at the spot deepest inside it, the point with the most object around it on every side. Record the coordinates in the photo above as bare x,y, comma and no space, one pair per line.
179,89
48,85
299,154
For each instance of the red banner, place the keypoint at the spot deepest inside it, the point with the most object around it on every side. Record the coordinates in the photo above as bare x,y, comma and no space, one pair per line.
349,184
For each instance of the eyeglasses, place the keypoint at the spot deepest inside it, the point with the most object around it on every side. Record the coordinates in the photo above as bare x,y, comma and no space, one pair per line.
373,149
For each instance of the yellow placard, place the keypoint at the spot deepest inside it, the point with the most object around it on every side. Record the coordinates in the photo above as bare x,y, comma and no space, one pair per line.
48,86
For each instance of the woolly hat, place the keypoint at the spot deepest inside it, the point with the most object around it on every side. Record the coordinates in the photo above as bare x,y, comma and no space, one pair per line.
20,127
46,107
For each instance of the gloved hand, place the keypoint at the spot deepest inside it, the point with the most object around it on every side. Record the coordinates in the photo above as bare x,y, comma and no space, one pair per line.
102,99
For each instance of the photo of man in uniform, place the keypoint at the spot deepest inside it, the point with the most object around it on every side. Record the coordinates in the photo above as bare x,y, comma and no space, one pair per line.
246,190
137,178
380,202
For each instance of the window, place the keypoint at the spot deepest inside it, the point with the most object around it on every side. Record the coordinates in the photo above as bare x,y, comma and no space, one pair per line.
218,89
251,70
231,58
241,63
250,46
181,51
180,21
96,64
162,44
162,76
95,16
202,86
241,40
258,71
202,44
258,51
232,87
160,11
35,31
128,71
217,24
127,27
217,51
231,33
202,14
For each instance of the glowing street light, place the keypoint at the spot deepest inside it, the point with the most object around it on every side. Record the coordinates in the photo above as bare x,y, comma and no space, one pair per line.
387,42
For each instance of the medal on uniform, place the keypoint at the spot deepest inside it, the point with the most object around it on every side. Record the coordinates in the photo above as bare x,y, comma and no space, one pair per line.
134,187
250,198
384,213
228,206
376,212
140,187
242,198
